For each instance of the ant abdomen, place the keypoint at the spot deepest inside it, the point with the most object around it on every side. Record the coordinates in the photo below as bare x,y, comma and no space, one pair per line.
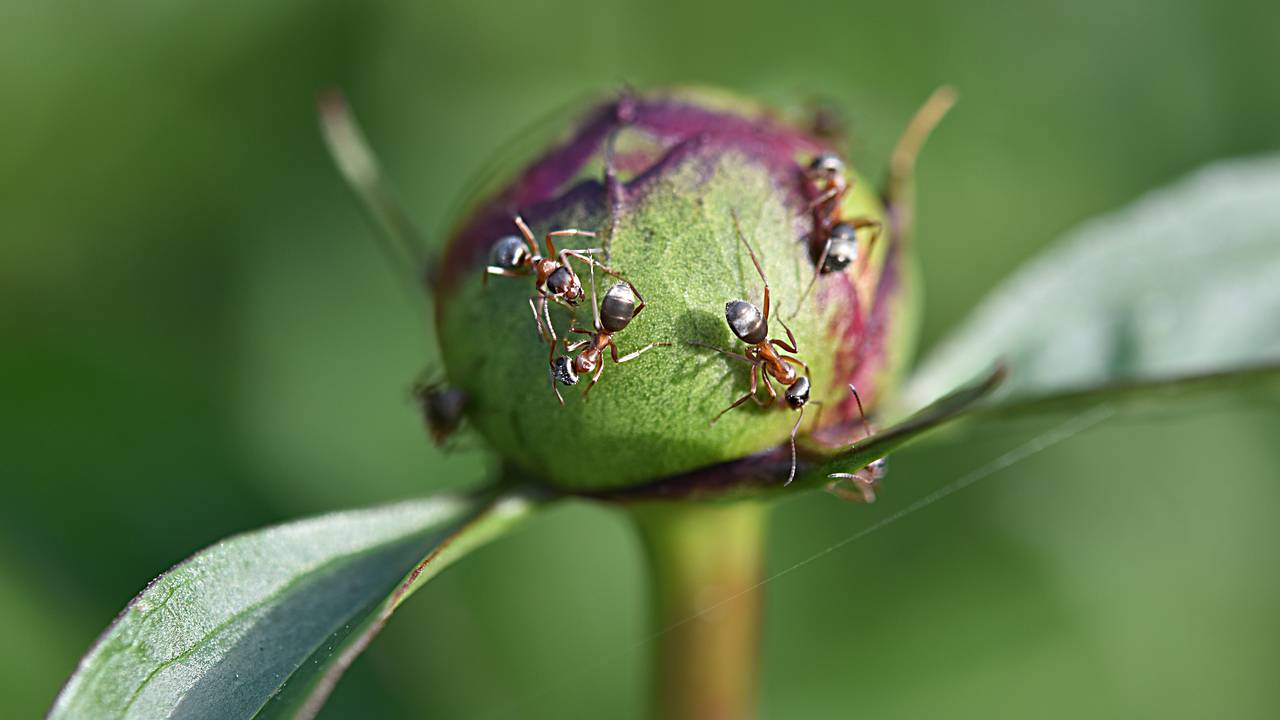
618,307
746,321
509,252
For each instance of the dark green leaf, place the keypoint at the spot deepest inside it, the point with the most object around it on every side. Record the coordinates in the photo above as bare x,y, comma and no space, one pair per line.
1183,284
263,624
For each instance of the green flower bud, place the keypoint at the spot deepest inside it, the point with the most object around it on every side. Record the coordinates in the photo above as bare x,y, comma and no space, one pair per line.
660,178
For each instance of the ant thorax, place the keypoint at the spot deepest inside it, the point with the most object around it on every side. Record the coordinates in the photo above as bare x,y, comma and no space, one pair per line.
783,371
586,360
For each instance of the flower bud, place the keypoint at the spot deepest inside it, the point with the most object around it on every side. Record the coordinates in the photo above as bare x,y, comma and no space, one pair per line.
664,180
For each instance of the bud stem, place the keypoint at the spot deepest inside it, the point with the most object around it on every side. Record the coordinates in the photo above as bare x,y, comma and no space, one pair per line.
705,564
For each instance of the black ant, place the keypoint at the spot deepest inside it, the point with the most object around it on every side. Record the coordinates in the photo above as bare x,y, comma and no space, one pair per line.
751,326
833,242
866,481
622,303
517,255
442,407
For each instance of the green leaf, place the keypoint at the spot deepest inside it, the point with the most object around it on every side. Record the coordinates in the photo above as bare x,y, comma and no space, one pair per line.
873,447
263,624
1185,284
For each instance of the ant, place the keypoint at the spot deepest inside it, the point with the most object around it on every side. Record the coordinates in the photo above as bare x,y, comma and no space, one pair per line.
517,255
865,481
622,303
751,326
833,242
442,407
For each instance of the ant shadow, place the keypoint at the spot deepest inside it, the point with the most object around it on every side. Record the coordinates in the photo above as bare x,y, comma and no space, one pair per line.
707,328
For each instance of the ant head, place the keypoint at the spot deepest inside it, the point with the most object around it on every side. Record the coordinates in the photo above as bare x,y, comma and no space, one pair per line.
798,394
562,370
746,321
563,283
618,307
844,248
826,165
509,252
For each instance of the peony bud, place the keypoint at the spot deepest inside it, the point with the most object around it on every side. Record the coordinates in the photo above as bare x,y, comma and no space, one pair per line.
659,179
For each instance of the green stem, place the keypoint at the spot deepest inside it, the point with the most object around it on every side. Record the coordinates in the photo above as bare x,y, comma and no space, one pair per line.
705,562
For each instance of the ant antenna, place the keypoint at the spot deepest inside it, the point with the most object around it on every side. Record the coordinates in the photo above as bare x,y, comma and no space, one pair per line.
866,426
737,227
794,429
613,189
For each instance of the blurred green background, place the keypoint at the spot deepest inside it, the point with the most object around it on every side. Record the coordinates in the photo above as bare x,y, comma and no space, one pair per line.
198,337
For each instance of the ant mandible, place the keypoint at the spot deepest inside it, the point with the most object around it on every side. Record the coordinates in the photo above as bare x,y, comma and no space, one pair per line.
622,303
833,242
751,326
516,256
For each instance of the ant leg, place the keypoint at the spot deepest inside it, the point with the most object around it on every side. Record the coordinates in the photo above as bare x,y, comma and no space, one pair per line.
528,235
796,361
768,386
726,353
595,378
583,255
613,349
495,270
537,317
750,395
551,248
793,347
899,195
639,298
545,316
737,226
864,256
595,305
835,192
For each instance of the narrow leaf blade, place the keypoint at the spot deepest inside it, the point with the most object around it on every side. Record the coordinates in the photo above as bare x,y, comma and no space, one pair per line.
873,447
263,624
